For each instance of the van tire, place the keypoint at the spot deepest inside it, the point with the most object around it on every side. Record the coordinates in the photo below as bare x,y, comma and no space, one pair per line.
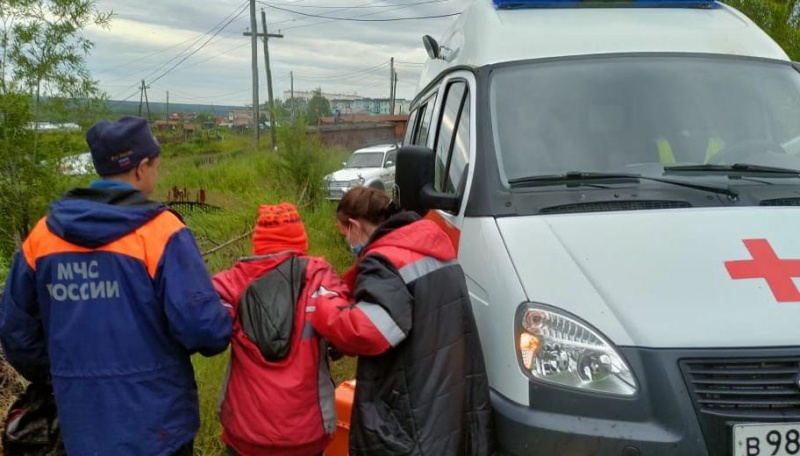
377,185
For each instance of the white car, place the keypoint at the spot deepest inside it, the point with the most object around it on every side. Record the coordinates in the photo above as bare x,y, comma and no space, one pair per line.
371,167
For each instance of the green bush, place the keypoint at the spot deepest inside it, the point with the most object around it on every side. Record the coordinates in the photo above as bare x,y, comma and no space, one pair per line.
301,162
5,266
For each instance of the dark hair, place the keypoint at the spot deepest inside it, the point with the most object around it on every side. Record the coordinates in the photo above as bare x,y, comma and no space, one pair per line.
365,203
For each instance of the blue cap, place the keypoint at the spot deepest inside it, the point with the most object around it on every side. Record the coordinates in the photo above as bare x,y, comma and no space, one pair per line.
118,147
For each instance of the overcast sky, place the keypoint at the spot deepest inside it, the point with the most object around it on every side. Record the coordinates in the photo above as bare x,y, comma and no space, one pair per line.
146,42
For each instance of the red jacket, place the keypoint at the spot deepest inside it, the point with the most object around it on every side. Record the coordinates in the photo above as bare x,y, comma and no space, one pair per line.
284,407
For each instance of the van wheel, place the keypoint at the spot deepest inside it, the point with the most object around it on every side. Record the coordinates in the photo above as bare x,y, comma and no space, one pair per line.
377,185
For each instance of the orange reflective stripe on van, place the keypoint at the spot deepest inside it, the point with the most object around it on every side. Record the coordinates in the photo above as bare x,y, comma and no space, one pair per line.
146,244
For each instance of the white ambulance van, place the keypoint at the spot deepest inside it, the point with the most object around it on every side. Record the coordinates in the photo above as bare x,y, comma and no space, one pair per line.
622,182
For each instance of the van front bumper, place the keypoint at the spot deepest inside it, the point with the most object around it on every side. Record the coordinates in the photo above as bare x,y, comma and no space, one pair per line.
664,418
523,431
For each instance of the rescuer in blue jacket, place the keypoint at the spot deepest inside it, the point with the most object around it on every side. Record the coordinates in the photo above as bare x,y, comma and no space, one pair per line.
108,297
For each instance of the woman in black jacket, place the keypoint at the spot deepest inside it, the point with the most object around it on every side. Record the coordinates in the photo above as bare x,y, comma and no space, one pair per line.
421,385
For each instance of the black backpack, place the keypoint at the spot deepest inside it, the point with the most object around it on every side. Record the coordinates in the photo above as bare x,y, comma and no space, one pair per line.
31,426
268,306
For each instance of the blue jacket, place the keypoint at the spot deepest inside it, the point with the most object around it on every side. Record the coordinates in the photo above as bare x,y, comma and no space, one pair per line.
109,297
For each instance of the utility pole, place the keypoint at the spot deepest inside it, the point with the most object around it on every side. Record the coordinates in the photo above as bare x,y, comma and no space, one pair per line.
291,87
167,117
266,36
254,67
391,85
394,93
143,97
149,117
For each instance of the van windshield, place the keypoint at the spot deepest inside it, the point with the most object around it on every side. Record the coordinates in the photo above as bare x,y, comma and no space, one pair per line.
642,114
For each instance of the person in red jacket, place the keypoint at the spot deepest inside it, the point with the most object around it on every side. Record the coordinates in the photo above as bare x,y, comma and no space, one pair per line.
421,384
278,395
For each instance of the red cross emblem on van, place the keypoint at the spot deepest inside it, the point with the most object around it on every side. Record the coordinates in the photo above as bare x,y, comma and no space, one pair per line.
765,264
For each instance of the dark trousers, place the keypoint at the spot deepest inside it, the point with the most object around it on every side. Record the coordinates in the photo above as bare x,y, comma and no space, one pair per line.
186,450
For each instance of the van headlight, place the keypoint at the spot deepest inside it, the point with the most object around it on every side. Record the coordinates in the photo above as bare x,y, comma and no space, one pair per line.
556,348
356,182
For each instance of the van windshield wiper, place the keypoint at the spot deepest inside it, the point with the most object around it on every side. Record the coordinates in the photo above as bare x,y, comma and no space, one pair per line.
738,168
578,178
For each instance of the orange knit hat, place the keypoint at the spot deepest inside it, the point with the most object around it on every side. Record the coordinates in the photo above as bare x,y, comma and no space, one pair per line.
279,228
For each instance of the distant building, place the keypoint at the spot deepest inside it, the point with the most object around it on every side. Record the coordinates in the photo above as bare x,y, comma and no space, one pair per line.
165,125
372,106
306,95
240,118
51,126
352,103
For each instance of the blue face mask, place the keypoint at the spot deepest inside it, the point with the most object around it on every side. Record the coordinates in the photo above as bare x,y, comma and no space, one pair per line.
356,248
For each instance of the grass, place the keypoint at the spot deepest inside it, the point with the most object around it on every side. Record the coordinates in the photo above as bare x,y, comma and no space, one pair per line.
237,180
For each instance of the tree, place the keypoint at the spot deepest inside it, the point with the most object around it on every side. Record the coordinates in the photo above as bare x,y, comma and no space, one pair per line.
281,110
779,18
318,106
204,117
43,76
300,161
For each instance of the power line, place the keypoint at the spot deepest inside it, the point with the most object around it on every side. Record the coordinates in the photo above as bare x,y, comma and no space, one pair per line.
151,54
184,96
227,51
194,41
341,86
334,19
125,90
339,10
124,99
342,75
201,46
219,26
356,19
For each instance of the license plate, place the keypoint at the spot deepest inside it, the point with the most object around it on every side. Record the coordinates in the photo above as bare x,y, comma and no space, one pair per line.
776,439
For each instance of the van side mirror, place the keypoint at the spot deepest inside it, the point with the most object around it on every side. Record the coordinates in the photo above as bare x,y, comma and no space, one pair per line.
388,164
414,175
431,46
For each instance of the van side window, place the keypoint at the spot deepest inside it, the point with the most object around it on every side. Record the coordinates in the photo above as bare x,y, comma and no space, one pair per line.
426,115
444,140
459,157
452,143
411,126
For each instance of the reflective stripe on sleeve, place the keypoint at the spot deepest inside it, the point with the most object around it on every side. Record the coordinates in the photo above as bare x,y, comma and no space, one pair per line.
383,322
420,268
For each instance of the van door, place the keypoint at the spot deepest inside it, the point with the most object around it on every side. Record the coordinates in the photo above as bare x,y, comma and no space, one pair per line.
452,139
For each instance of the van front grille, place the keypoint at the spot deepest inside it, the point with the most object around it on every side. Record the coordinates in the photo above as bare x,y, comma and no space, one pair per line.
759,388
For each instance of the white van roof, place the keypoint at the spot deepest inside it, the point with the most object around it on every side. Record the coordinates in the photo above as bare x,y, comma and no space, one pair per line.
484,35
